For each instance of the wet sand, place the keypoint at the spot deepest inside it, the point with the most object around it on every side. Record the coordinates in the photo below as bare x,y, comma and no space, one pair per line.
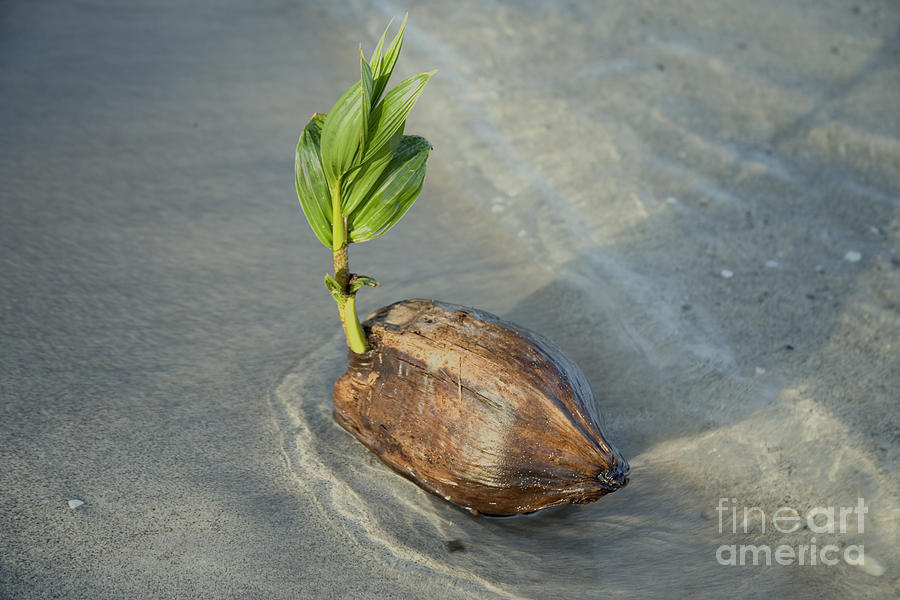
699,202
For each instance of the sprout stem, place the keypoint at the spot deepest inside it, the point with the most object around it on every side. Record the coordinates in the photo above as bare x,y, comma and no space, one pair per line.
356,337
341,267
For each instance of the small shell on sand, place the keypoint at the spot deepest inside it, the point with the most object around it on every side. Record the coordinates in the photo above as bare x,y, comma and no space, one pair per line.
852,256
75,503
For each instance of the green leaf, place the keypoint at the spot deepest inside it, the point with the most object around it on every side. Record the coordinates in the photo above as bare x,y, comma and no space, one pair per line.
359,183
312,187
382,73
332,284
390,115
342,133
360,280
366,83
376,59
396,191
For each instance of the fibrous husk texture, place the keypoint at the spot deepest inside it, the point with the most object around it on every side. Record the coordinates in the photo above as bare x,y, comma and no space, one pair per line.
476,410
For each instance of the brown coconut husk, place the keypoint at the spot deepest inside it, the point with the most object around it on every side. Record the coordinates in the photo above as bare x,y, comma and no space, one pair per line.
481,412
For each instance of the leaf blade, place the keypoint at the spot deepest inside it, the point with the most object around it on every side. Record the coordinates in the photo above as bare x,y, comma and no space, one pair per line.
341,134
388,60
366,84
375,60
396,191
390,115
310,181
360,280
360,183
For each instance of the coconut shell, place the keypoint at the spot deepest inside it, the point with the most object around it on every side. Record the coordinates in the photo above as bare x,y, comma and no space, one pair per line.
481,412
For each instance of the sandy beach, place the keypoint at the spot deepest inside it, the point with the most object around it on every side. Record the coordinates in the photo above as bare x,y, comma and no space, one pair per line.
698,201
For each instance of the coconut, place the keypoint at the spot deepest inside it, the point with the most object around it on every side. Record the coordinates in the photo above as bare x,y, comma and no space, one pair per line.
476,410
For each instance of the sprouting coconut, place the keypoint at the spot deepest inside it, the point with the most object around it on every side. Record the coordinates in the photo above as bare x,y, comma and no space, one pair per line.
476,410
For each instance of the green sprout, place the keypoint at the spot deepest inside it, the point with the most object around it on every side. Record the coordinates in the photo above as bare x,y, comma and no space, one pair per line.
357,174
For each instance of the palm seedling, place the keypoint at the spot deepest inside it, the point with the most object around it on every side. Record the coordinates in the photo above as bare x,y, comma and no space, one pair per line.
479,411
357,173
